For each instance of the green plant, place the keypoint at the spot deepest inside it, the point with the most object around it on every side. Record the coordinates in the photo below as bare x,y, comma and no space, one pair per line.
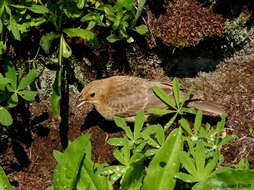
175,106
4,182
203,156
14,85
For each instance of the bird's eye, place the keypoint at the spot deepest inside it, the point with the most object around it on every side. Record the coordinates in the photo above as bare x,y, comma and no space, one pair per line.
92,94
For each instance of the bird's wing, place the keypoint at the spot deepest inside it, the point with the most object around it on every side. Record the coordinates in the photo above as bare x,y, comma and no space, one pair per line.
127,97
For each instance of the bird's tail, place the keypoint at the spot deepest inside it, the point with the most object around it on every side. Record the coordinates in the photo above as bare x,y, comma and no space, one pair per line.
207,107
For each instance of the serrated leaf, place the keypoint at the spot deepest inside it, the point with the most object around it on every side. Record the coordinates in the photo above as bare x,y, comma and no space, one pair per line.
5,119
28,79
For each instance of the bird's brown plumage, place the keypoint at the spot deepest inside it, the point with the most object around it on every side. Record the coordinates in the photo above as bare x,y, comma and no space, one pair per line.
123,96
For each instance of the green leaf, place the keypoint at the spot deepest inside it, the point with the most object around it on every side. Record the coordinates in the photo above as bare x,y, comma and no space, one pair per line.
160,134
1,26
70,162
176,91
3,81
113,38
185,177
46,41
119,156
10,73
139,122
81,4
188,163
116,141
66,49
27,80
120,122
27,94
158,111
13,100
6,120
171,121
163,96
134,174
142,29
228,178
39,9
13,27
83,33
165,164
198,121
4,182
185,125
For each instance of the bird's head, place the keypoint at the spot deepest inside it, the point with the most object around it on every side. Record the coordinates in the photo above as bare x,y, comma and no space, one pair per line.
91,93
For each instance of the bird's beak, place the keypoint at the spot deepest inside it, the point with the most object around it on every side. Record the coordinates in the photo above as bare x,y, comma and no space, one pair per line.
81,101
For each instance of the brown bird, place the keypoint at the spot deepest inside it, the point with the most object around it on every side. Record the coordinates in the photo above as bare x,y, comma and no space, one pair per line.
123,96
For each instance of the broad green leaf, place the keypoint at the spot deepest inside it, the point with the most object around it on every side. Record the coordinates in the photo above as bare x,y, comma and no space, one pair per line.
6,120
83,33
120,122
69,165
13,27
165,164
113,38
139,122
142,29
13,100
10,73
163,96
228,178
39,9
4,182
46,41
27,94
198,121
27,80
158,111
